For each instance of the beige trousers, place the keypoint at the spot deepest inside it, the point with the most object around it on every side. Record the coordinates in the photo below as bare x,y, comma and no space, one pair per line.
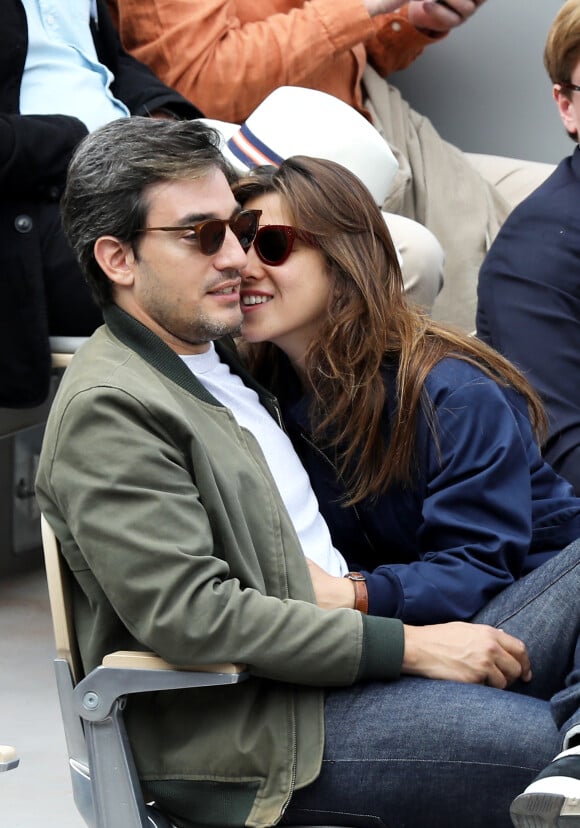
462,199
421,257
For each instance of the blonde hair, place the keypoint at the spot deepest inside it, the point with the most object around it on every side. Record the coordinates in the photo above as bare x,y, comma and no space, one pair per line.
562,50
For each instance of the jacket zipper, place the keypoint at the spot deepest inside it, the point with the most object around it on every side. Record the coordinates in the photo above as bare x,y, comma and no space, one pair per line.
275,410
292,729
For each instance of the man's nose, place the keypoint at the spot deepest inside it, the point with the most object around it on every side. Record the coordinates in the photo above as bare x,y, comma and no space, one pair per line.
231,253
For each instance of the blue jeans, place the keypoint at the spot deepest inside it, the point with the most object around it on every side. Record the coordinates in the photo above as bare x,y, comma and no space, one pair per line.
419,753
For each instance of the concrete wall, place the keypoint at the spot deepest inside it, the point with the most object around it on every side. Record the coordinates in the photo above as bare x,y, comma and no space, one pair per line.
485,87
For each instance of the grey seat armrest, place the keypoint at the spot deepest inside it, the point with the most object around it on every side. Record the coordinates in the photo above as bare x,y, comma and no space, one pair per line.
8,758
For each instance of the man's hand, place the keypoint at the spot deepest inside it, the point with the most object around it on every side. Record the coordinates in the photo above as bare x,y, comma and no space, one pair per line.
331,592
442,16
470,653
456,651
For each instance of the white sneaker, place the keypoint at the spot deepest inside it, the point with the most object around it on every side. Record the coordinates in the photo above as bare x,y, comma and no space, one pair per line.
553,798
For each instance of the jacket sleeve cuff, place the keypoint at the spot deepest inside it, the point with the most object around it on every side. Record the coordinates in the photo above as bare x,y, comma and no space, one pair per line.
385,593
397,43
383,649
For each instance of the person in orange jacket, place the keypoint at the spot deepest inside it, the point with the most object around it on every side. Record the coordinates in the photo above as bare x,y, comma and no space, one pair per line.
229,55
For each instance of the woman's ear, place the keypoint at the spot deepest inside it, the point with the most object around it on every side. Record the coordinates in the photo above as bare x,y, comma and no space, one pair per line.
116,259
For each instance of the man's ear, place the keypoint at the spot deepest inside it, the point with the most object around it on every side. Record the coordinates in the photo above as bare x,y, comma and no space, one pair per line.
566,109
116,259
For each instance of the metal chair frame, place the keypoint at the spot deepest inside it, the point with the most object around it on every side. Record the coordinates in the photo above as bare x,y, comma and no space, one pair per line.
105,784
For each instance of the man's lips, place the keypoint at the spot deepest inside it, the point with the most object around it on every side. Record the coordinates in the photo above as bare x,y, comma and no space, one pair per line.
227,289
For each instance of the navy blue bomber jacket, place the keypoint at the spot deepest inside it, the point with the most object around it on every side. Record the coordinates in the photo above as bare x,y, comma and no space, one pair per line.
480,513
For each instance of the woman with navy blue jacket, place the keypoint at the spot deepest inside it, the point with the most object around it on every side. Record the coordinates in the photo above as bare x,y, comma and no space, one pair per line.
421,443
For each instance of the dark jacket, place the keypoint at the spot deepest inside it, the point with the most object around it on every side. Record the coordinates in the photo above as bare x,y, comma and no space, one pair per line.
34,155
480,514
529,305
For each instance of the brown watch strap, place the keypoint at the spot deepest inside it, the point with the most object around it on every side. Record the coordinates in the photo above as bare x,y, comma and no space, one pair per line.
361,595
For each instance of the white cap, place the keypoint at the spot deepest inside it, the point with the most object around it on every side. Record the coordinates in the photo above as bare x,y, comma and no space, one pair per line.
297,121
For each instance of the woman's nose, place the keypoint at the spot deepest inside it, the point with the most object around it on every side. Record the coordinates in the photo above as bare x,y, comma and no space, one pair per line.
253,268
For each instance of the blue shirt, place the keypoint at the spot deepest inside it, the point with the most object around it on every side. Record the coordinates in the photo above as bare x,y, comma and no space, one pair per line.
62,73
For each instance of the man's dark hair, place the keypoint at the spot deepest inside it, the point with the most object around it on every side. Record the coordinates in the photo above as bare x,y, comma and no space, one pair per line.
111,171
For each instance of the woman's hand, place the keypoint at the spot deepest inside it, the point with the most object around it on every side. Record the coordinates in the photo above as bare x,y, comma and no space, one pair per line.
471,653
331,592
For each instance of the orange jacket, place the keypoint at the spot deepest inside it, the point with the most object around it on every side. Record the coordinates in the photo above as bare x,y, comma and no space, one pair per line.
228,55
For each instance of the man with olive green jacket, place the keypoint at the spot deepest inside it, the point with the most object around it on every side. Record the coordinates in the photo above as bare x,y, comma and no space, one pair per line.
180,544
164,494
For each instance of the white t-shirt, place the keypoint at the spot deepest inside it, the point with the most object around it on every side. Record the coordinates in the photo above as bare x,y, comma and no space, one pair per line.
287,470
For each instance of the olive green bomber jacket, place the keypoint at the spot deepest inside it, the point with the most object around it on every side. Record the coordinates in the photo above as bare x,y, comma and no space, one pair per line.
179,543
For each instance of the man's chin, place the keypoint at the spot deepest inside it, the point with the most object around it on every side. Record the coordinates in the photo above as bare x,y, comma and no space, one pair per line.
215,330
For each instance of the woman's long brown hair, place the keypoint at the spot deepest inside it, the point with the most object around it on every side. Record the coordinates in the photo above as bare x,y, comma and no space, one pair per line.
369,320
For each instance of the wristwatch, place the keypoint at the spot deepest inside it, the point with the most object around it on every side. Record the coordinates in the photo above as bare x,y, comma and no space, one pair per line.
361,595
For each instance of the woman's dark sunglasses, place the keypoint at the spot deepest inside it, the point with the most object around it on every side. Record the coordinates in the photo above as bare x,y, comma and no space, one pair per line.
274,242
212,232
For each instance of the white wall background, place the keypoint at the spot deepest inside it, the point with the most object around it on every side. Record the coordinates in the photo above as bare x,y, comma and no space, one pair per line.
485,87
